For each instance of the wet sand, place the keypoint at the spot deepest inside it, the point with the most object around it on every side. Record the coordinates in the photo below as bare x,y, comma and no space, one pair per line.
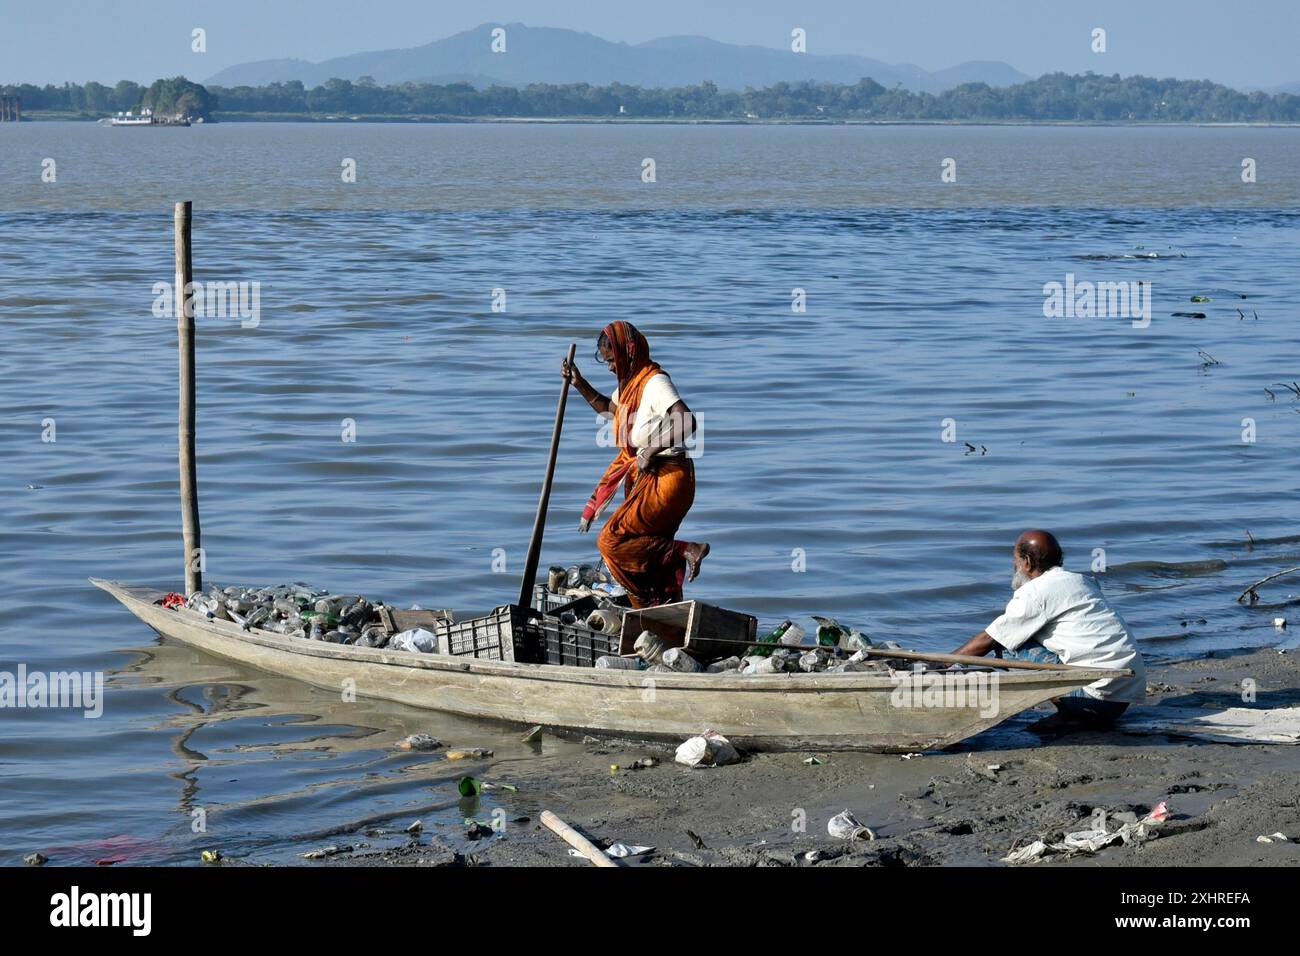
934,809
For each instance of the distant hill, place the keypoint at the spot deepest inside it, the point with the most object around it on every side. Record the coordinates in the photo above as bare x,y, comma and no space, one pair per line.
553,55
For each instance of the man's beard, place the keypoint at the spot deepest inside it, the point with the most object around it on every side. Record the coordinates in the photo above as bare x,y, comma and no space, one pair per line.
1018,579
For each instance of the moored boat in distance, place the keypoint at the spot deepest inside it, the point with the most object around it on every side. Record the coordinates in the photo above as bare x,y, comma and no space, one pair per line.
147,117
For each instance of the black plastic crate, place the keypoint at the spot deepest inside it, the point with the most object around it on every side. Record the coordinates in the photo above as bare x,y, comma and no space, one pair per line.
557,604
574,644
502,635
547,601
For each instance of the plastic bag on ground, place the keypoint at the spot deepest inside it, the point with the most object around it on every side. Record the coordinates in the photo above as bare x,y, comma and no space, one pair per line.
1096,838
710,749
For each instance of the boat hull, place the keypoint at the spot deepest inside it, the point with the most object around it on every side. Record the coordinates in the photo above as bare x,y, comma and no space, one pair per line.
777,712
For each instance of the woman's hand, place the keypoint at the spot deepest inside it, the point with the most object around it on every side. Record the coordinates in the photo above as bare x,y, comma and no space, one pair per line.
569,372
645,459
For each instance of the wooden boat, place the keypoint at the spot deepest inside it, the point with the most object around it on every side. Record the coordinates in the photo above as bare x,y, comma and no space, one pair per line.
854,711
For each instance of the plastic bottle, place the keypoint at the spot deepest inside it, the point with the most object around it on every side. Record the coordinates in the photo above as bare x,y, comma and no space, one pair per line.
604,620
650,647
614,663
787,632
679,660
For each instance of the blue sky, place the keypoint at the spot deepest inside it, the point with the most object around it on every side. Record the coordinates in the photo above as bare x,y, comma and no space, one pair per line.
1249,43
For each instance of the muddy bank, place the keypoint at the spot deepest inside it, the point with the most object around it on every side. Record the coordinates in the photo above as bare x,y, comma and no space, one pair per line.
968,805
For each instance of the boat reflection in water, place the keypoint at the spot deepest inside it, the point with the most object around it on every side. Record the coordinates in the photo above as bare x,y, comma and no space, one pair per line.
269,768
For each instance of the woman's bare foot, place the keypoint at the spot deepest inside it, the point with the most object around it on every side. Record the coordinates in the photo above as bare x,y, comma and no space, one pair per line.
695,555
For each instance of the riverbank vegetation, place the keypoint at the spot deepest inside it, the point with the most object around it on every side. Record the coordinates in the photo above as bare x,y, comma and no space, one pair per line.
1054,97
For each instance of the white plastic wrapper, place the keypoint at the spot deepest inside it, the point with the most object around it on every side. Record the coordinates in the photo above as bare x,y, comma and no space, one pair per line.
710,749
416,639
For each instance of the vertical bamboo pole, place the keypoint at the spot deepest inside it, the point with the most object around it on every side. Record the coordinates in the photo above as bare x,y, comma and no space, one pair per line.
184,302
539,523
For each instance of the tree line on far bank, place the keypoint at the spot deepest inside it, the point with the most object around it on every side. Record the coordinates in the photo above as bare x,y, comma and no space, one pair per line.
1056,97
167,97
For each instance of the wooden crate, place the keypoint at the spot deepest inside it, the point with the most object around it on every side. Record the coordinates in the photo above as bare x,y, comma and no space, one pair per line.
396,620
707,632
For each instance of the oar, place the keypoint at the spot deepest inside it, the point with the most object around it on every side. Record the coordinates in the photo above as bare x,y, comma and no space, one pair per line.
539,523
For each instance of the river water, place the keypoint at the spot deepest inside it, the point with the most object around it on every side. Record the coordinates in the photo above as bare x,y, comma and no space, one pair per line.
377,427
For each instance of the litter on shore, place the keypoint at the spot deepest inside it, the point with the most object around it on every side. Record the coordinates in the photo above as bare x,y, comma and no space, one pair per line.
1130,831
710,749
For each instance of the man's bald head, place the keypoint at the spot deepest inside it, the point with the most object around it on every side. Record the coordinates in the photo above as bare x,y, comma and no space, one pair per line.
1040,551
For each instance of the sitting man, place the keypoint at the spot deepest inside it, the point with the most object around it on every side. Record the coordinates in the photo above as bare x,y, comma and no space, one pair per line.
1058,616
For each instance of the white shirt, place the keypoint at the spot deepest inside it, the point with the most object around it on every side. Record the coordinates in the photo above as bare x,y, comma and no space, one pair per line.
657,396
1067,613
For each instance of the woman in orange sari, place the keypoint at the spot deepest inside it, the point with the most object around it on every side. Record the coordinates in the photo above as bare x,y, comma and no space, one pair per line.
651,427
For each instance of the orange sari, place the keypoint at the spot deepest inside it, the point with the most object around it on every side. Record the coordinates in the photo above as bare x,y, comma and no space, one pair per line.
638,541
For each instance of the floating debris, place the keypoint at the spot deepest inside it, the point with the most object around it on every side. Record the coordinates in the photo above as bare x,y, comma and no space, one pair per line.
36,859
533,735
1273,838
415,827
210,856
420,742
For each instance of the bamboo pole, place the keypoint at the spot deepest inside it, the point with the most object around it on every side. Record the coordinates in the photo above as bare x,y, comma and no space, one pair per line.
539,523
183,298
576,840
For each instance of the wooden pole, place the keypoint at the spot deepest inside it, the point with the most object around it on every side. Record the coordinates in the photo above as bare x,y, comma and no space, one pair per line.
576,840
539,523
183,297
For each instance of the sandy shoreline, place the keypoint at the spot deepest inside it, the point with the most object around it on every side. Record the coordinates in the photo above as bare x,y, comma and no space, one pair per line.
940,808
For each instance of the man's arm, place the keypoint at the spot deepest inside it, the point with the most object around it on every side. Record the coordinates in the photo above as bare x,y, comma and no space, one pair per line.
977,646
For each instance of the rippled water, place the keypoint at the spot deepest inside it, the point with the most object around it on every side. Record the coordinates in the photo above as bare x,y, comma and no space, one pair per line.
822,430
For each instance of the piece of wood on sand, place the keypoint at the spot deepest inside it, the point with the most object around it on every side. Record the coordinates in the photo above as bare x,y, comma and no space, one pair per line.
576,840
